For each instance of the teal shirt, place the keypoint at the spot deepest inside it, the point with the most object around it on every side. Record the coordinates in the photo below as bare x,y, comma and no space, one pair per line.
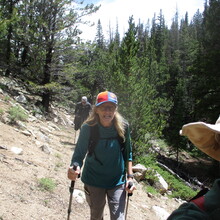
108,150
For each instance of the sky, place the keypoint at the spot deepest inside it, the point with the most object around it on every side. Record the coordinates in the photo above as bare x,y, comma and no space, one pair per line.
119,11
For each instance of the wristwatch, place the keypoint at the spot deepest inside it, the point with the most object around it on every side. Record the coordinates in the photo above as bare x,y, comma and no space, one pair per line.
130,176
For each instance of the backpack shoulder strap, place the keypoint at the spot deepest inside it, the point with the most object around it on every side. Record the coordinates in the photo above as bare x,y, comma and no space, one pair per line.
199,199
93,139
122,141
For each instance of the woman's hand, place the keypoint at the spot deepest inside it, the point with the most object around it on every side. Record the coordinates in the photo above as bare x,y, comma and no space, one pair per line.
130,187
73,174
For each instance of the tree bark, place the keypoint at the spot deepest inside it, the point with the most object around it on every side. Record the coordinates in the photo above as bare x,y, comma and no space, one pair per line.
8,46
46,97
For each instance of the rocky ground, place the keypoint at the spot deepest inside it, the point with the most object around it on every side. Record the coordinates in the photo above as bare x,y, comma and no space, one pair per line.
40,149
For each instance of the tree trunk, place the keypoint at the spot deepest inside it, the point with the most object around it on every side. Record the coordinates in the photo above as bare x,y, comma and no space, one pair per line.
46,97
8,46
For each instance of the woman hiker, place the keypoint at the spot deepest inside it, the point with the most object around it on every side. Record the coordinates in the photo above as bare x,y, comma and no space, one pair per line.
104,140
203,207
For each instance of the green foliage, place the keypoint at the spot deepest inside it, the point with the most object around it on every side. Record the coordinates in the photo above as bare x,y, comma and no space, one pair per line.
46,184
53,87
16,113
57,155
36,35
6,98
58,165
196,153
151,190
3,87
46,202
178,188
151,176
206,72
1,112
148,160
140,148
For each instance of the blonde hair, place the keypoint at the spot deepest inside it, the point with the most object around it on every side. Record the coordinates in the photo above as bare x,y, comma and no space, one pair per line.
118,121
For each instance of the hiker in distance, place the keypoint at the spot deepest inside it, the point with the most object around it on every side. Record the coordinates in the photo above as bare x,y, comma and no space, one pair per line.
207,138
82,111
105,136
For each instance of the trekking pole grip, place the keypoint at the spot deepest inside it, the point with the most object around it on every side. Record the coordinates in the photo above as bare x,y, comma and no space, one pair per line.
130,184
75,165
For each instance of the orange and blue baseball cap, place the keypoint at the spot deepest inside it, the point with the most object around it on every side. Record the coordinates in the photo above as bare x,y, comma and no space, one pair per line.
106,96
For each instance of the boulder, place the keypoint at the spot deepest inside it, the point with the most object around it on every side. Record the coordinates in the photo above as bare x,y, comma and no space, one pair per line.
139,171
160,184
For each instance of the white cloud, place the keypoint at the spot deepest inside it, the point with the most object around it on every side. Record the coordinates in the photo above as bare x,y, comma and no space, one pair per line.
113,11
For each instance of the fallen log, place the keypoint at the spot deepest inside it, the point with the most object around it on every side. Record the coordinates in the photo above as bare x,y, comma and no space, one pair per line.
194,180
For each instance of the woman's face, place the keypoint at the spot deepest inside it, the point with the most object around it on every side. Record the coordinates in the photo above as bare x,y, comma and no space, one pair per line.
106,113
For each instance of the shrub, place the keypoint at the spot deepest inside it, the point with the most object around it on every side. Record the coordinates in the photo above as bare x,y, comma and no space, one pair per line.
17,114
47,184
58,165
6,98
179,189
151,190
1,111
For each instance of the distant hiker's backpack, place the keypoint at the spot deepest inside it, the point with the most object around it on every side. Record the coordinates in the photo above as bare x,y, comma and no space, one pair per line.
94,138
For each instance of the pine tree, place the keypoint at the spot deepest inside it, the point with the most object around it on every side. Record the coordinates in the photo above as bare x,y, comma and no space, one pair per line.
208,72
43,29
8,15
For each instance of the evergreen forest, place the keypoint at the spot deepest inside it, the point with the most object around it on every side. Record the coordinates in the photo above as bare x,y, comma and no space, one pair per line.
164,77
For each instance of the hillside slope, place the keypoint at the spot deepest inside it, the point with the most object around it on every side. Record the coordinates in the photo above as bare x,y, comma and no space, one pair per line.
45,152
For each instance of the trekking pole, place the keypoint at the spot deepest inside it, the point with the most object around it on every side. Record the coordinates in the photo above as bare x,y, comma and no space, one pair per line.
75,137
71,188
130,184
